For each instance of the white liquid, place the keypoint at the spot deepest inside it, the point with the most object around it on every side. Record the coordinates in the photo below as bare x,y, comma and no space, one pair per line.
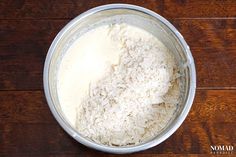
85,62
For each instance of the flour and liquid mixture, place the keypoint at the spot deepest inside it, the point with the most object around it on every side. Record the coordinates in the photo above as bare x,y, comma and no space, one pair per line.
118,85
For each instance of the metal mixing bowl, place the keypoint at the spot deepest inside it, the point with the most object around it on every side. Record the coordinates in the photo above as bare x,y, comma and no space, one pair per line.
140,17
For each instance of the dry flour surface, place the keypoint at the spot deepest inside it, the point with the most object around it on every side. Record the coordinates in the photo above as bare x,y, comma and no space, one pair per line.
118,85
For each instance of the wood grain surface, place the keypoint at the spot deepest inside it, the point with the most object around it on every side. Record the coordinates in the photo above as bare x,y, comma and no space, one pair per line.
27,28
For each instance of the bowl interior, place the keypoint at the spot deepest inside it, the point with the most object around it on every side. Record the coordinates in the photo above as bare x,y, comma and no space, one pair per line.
134,17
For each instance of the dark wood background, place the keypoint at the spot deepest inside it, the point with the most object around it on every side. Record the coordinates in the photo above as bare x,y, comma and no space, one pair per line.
27,27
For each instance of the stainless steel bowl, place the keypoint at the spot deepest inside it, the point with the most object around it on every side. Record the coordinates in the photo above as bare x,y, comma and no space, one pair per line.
140,17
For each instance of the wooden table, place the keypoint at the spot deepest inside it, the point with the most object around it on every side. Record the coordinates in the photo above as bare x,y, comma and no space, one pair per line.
27,28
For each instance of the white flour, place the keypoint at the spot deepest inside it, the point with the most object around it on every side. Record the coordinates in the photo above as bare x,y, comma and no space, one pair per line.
118,86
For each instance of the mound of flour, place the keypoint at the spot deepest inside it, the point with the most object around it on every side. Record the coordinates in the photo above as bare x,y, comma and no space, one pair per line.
136,97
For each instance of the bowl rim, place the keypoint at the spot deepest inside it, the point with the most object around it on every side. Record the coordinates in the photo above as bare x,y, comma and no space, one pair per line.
104,148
